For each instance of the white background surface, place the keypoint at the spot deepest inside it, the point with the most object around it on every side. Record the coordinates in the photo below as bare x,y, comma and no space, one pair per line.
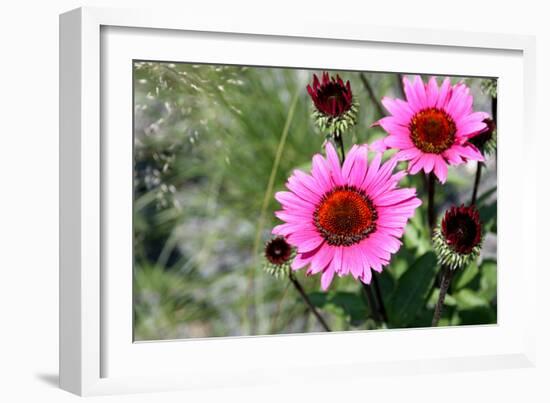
28,202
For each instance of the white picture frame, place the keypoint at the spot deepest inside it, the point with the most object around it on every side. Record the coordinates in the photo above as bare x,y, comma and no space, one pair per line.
97,353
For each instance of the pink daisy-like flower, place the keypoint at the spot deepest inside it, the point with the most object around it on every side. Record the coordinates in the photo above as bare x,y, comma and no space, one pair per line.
432,127
345,219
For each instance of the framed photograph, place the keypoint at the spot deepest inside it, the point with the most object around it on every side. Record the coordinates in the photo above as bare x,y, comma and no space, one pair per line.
241,202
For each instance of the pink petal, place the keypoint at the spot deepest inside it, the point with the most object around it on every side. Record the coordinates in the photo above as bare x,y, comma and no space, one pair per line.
322,259
415,165
469,129
336,263
321,173
289,228
470,152
382,177
378,145
366,277
408,154
401,142
372,170
305,241
444,93
452,155
300,261
411,95
307,181
399,109
349,162
294,216
440,169
326,278
359,169
334,163
289,198
432,93
429,161
392,126
420,89
297,187
395,196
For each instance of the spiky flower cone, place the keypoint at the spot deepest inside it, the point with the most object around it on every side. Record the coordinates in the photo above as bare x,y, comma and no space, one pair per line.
458,240
278,256
335,109
486,140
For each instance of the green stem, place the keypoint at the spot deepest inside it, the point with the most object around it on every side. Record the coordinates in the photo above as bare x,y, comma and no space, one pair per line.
308,302
372,303
447,275
400,85
431,206
340,143
372,96
476,183
378,292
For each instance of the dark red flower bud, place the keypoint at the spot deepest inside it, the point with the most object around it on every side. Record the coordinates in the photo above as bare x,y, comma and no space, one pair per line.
331,96
278,251
461,229
481,139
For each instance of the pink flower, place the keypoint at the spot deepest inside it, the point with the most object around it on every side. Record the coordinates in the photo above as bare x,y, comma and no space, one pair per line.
345,219
432,127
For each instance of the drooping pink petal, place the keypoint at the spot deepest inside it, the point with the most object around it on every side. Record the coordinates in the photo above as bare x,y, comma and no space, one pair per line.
300,261
468,151
326,278
440,169
408,154
322,259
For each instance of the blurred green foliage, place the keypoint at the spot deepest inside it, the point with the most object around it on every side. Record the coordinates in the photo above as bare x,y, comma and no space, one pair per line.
205,142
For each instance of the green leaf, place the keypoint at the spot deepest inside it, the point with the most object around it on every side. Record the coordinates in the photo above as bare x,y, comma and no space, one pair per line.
464,277
449,299
488,217
401,261
341,303
488,282
411,237
485,196
352,305
412,289
468,299
481,315
319,299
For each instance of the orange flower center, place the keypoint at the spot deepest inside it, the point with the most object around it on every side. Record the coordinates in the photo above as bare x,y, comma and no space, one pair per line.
345,216
432,131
